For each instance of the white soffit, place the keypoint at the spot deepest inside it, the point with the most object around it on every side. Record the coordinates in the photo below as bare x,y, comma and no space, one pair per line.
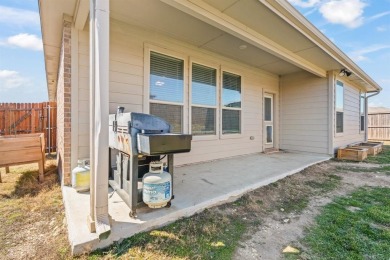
228,45
52,16
226,23
320,57
160,17
262,20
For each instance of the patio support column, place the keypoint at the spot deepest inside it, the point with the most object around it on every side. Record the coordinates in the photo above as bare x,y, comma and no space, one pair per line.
99,220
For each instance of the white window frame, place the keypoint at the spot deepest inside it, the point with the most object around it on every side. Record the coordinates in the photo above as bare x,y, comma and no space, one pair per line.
362,95
221,107
336,110
272,122
147,101
217,101
187,99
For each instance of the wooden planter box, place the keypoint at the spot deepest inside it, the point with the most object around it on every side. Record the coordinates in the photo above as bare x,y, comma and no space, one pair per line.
373,147
352,153
23,149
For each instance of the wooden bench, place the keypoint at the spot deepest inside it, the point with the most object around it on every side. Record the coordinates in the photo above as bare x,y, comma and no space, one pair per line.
23,149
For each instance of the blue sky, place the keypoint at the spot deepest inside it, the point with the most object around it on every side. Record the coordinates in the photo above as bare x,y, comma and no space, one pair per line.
360,28
22,69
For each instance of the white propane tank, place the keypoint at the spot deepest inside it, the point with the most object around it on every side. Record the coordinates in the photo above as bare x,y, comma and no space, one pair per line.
157,186
80,176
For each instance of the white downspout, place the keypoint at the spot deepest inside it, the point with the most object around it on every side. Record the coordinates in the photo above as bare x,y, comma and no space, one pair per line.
99,220
366,115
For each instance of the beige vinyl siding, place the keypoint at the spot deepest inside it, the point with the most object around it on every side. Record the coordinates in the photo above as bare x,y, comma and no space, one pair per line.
127,48
304,113
352,133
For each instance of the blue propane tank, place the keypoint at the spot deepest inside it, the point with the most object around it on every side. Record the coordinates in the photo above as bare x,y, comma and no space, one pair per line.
157,186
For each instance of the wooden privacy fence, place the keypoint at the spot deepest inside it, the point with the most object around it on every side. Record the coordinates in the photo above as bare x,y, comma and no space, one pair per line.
379,126
27,118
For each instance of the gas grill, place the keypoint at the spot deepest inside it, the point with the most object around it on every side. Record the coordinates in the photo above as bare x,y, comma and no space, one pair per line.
137,139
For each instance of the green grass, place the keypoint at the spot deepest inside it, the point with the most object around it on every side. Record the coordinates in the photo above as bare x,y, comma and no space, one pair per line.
353,227
297,199
380,169
382,158
208,235
329,184
296,205
385,169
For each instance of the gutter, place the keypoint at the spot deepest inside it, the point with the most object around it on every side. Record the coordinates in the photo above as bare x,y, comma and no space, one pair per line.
366,112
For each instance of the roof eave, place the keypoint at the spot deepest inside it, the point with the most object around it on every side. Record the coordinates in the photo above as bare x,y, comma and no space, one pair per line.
291,15
50,92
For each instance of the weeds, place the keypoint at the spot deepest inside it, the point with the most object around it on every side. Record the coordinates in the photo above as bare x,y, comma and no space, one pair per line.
31,215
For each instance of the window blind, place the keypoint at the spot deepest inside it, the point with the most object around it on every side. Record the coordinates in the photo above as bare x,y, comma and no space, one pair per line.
231,91
231,100
204,85
166,78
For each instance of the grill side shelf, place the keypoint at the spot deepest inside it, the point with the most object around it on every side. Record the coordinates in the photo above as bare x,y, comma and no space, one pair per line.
159,144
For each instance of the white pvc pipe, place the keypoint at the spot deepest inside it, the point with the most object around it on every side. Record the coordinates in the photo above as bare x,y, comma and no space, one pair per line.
99,105
92,112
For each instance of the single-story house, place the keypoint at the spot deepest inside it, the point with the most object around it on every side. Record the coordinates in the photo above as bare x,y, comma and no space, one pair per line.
241,76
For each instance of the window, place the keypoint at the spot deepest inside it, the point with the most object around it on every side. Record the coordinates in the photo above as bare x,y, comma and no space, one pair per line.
267,109
204,100
167,89
231,103
339,107
362,112
207,104
269,134
171,113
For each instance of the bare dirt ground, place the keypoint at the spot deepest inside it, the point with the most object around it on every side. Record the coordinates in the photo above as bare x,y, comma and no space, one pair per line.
279,229
31,214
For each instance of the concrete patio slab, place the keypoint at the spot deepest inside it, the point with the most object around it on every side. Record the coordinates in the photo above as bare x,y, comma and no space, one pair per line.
196,187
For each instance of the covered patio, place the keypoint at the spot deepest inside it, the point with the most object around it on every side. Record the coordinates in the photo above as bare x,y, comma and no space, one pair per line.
197,187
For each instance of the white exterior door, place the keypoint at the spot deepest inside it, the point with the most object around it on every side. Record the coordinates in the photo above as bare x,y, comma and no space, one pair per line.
268,123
